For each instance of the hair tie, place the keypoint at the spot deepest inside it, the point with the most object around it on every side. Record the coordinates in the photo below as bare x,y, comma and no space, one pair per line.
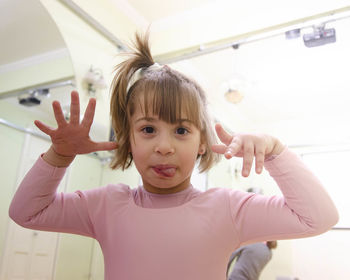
138,74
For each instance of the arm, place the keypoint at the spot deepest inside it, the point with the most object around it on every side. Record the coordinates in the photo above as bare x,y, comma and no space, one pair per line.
305,208
37,205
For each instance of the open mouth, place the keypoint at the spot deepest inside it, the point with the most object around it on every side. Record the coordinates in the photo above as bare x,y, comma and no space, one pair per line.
165,170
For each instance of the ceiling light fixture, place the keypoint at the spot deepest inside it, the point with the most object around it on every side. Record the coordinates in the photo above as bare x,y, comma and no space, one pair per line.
319,37
233,90
94,80
234,96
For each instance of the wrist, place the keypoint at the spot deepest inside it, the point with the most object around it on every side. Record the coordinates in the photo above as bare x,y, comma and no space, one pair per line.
57,160
277,148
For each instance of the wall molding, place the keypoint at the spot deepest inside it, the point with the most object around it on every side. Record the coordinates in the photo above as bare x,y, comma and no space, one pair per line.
35,60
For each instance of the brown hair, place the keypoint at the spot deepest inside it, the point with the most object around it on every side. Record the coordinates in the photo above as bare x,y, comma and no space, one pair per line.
167,92
271,244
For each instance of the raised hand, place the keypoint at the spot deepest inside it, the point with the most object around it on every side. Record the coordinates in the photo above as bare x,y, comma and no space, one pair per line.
72,138
247,146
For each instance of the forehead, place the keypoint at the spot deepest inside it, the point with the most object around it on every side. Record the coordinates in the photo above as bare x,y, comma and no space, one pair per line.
165,108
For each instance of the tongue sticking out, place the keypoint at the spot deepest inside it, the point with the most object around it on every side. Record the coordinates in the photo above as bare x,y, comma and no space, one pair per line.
167,172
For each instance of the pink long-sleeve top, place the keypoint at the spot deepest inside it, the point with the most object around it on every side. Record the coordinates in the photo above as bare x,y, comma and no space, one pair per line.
188,235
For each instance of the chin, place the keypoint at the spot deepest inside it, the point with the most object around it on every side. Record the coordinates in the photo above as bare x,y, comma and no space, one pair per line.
166,183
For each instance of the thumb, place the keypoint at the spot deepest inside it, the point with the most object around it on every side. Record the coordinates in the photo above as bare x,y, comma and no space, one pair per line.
105,146
219,148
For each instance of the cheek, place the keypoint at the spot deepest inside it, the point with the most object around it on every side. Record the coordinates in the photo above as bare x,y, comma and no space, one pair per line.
139,150
133,143
189,153
134,149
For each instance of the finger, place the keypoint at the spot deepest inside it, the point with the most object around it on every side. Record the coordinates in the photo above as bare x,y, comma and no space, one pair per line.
259,158
89,113
219,148
248,157
105,146
58,114
228,151
74,108
44,128
234,148
223,135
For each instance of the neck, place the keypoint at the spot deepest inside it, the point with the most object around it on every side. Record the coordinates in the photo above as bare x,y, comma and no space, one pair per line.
156,190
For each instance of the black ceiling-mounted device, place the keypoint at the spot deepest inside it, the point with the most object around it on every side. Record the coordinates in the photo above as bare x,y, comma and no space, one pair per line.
29,101
32,98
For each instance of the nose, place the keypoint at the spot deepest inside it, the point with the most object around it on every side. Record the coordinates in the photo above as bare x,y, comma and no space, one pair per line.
164,144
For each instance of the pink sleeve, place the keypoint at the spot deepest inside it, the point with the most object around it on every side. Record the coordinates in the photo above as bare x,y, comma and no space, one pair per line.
37,205
305,209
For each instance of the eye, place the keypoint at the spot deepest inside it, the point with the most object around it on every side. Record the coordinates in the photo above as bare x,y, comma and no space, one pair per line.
148,129
181,130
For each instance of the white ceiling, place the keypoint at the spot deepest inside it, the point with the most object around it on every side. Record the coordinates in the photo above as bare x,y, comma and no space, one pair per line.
155,10
26,30
297,92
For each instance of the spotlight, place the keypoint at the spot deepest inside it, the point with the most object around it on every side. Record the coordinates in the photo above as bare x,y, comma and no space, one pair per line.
319,37
32,97
29,101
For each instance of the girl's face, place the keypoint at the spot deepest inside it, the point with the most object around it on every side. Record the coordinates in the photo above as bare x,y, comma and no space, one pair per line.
164,153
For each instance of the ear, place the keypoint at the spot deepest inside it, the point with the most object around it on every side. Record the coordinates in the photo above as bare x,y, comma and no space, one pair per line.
201,149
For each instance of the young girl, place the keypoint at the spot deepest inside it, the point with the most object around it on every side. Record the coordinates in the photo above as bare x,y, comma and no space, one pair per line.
166,229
